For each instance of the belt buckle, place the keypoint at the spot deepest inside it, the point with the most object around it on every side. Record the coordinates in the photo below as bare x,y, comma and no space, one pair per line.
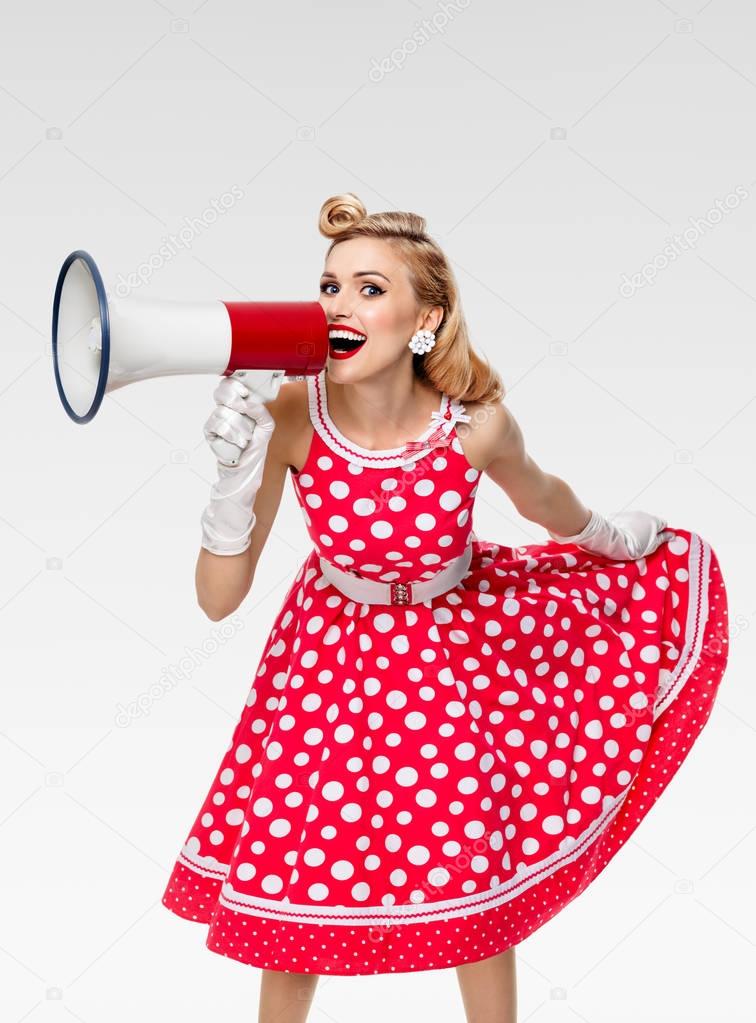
401,593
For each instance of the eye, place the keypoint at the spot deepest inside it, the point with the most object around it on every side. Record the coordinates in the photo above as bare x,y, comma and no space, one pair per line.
324,289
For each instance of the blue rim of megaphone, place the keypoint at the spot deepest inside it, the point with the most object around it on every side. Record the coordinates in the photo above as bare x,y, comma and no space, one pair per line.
102,302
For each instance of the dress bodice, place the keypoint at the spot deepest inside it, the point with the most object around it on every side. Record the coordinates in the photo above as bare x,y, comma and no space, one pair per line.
398,514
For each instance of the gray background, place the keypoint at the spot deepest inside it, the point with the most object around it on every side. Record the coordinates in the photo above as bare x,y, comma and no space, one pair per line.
554,148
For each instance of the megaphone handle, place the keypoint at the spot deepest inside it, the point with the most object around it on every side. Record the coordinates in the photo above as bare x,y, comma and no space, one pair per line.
265,383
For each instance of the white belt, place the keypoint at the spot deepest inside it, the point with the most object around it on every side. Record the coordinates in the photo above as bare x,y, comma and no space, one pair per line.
371,591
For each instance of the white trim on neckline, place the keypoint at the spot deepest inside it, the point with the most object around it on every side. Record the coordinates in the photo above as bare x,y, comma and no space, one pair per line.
383,458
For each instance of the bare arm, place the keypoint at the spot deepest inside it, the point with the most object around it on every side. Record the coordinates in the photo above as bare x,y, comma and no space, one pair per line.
223,581
496,446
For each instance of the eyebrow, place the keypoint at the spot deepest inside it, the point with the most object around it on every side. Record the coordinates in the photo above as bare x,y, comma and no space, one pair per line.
360,273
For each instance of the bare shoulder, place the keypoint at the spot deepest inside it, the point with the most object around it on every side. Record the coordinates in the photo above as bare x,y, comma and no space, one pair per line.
290,412
291,397
491,432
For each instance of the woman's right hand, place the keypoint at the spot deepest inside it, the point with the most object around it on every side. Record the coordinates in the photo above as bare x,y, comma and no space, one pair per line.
238,431
238,415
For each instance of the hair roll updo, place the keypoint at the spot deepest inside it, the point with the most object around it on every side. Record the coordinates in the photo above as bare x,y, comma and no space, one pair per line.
452,365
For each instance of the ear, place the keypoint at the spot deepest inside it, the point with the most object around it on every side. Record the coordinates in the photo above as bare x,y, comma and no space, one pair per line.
432,318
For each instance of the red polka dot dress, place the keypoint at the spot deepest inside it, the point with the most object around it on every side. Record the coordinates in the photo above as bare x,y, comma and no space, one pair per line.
412,786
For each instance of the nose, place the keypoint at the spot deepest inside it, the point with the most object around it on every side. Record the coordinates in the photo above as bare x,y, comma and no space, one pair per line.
335,308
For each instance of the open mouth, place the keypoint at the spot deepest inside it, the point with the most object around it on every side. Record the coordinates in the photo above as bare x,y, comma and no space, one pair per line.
343,342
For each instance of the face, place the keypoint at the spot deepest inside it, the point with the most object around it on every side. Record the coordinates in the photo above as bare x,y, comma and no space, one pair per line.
365,286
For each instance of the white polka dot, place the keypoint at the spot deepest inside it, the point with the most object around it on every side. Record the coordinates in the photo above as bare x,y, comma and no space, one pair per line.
425,522
406,776
339,489
450,500
272,884
364,506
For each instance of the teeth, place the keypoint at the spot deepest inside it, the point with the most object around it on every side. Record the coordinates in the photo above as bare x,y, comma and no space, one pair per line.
347,335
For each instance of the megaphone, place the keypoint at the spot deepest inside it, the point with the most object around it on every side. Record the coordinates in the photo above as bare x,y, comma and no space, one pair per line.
100,344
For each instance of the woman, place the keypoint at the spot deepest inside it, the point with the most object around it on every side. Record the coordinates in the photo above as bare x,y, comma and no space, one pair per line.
446,738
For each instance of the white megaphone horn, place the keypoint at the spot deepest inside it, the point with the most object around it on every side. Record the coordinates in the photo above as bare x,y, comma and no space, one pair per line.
100,345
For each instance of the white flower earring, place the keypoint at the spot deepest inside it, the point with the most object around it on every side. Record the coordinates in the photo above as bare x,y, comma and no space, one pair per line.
422,341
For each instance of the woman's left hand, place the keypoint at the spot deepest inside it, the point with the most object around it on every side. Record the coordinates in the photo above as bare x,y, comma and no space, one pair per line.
626,536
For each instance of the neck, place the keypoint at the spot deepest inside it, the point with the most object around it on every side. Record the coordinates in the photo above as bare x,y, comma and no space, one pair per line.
391,404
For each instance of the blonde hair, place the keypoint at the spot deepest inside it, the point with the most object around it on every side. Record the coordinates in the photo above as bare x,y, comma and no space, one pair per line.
452,365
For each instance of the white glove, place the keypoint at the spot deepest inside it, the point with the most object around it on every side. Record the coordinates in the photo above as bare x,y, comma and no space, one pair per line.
629,535
238,431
